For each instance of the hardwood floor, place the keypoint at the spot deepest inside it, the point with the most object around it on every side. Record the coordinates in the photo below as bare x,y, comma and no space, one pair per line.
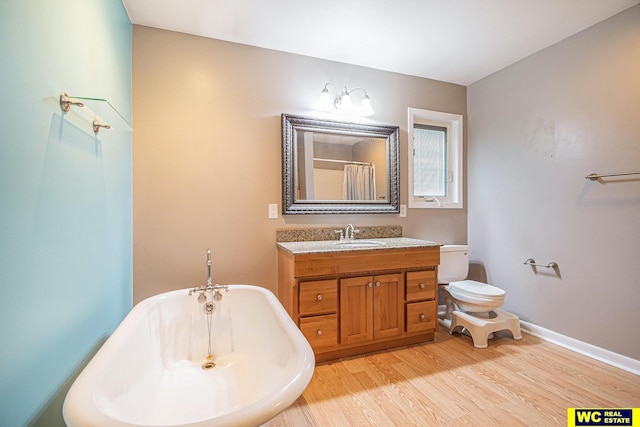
448,382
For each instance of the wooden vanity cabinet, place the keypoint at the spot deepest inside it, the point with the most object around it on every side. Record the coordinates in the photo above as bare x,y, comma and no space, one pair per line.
371,307
351,302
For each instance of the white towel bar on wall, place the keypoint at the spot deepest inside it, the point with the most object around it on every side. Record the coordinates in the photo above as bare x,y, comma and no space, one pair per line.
595,176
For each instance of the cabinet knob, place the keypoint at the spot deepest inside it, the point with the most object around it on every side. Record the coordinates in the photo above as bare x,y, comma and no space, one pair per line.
319,297
378,284
319,332
422,316
422,285
370,284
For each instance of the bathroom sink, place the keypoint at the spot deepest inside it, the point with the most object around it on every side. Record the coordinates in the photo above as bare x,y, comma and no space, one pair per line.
360,243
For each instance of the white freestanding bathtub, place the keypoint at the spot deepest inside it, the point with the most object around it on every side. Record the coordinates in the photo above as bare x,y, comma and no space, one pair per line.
150,371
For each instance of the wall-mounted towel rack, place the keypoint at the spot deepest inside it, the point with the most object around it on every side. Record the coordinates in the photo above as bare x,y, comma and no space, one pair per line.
595,176
532,263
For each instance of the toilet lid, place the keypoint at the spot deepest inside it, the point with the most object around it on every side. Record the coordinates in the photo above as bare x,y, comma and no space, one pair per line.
477,289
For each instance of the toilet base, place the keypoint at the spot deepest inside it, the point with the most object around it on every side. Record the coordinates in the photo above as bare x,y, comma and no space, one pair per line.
481,328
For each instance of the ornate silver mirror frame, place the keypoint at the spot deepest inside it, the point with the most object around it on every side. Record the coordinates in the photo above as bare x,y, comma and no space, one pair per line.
295,128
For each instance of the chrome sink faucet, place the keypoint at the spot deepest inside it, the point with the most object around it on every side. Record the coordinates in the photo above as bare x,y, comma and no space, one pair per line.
349,231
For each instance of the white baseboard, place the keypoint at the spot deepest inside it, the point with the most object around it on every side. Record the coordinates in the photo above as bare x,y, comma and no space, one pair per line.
609,357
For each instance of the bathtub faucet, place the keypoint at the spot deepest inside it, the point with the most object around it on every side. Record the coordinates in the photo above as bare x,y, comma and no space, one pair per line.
209,287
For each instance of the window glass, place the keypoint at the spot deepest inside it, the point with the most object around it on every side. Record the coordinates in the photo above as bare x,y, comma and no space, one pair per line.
430,160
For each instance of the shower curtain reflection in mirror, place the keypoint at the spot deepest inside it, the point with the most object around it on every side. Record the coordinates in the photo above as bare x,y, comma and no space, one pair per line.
359,182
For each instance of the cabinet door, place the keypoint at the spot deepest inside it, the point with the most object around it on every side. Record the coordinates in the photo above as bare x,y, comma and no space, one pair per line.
356,305
388,305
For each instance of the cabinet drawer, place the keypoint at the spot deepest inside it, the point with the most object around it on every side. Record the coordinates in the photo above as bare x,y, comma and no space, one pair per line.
318,297
320,331
421,316
421,285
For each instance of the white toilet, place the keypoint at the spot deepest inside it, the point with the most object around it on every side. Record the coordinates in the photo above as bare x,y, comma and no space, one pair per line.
471,306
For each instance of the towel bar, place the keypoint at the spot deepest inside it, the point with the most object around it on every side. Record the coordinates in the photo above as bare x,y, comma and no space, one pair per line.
595,176
532,263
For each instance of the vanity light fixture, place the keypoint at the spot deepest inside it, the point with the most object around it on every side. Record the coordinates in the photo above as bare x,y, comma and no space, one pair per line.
342,101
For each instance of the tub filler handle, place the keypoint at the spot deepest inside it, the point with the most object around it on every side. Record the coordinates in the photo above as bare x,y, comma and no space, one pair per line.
209,288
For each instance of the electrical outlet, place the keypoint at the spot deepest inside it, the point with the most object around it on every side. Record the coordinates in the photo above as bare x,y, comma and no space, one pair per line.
273,210
403,211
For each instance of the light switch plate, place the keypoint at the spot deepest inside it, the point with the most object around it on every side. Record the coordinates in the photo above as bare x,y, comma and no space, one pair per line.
403,211
273,210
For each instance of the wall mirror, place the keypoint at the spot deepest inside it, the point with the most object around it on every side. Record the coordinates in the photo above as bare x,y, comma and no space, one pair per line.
338,167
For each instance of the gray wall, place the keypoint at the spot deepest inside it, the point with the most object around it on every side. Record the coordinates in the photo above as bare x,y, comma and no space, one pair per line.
65,198
536,129
207,154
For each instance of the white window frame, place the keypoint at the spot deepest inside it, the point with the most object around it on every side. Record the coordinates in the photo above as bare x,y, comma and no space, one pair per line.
455,158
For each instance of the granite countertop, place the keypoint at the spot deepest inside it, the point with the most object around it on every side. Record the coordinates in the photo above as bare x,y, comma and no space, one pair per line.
324,246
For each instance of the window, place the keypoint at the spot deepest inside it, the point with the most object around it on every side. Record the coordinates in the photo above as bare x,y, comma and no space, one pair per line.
435,159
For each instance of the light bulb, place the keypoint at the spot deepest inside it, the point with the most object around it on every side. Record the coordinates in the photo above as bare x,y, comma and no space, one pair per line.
365,106
345,102
325,100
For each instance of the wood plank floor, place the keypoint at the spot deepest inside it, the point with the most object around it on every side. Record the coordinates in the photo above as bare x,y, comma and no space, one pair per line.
448,382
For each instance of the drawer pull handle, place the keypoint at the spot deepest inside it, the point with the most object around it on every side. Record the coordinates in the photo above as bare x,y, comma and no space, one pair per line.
378,284
319,297
319,332
422,285
370,284
422,316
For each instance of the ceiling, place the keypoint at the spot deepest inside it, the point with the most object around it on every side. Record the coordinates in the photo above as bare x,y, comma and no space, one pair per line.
457,41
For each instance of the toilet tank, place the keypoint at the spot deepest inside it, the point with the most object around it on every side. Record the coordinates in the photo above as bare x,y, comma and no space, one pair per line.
454,263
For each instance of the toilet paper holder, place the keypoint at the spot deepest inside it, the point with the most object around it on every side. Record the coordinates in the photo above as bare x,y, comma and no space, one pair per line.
532,263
